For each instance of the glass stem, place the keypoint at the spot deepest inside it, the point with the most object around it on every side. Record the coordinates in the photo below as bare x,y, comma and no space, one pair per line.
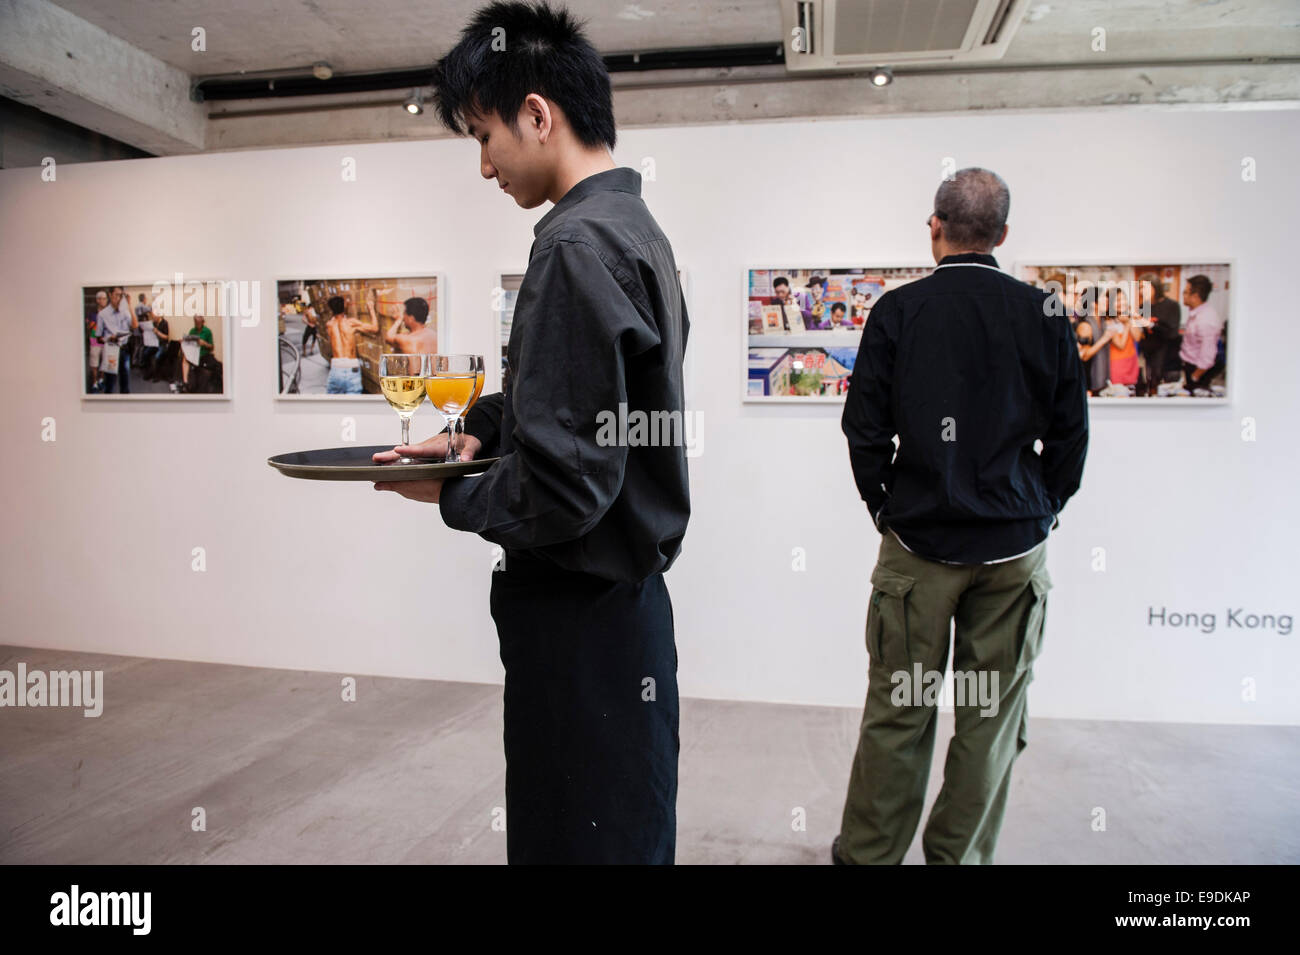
406,430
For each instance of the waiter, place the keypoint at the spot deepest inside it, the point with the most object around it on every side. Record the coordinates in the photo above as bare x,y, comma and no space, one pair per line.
969,369
587,526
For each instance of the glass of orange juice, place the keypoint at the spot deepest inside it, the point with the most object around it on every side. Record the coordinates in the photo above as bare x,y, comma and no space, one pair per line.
453,384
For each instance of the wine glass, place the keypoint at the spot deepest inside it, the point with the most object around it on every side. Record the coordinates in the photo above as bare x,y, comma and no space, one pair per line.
453,384
478,391
402,378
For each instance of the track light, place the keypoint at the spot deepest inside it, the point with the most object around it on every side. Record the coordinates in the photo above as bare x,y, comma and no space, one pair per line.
322,70
881,76
414,103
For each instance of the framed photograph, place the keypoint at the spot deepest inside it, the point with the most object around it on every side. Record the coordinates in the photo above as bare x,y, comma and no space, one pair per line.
504,306
332,331
161,341
1154,332
503,303
803,327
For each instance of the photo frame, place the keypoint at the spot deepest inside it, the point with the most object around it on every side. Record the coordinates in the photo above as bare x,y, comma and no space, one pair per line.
161,340
1117,298
799,345
381,312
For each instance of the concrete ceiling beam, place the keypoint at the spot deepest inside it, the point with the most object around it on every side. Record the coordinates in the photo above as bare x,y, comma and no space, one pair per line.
64,66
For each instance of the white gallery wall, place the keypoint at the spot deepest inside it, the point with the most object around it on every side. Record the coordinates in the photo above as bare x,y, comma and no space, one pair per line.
100,524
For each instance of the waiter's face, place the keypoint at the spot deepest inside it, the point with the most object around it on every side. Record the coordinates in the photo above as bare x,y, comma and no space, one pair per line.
513,156
783,292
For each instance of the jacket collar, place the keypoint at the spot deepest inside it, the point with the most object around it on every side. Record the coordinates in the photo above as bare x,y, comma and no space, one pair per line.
970,258
619,179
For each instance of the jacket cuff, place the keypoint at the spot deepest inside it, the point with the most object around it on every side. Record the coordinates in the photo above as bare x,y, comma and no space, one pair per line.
454,503
482,425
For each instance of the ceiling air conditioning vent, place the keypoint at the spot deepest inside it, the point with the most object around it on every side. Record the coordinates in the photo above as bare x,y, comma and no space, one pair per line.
860,34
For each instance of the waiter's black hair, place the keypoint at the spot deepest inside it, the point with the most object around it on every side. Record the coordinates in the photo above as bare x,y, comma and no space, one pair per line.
1201,285
780,280
840,306
418,309
512,49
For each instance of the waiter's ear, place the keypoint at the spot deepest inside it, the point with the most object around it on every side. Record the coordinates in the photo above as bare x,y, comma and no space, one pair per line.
1005,230
536,117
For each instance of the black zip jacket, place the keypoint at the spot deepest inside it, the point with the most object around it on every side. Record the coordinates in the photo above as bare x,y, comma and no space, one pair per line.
968,367
600,321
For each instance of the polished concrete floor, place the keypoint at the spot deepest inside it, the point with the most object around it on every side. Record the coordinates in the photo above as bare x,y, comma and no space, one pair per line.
412,772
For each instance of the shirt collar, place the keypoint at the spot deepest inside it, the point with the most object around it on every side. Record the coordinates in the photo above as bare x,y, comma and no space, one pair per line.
970,258
619,179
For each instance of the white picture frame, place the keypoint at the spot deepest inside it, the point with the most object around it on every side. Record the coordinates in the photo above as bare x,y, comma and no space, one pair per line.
808,339
438,314
1184,262
177,285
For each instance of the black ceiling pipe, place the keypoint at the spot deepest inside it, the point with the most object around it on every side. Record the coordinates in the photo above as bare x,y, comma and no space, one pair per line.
305,84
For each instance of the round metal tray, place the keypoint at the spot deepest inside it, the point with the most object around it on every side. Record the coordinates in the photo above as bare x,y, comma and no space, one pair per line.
355,464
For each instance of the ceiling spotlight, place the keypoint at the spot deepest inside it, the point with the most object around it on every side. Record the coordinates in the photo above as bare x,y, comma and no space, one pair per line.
322,70
881,76
414,103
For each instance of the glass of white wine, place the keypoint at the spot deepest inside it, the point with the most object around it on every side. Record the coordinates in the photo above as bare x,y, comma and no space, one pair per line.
402,379
453,385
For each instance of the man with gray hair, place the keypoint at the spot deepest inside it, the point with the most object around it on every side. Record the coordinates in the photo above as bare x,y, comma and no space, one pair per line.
973,372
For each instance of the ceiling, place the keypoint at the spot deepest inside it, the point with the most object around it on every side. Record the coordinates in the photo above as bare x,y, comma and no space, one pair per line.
126,68
251,35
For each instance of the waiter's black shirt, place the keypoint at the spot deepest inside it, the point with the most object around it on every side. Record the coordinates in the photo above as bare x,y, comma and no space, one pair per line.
600,321
968,367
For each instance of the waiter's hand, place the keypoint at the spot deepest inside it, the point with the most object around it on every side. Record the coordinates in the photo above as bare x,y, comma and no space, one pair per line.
435,447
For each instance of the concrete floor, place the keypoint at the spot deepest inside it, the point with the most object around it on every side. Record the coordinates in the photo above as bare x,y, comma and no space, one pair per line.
287,773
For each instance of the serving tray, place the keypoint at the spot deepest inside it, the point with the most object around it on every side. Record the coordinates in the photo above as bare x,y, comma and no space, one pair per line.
355,464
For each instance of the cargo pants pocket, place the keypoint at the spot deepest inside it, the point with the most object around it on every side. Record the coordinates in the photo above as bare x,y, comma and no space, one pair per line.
1030,638
887,619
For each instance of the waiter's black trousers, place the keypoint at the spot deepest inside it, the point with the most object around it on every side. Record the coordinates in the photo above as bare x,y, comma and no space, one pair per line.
591,715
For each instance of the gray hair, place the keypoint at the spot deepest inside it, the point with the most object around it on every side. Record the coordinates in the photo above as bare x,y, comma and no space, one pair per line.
973,207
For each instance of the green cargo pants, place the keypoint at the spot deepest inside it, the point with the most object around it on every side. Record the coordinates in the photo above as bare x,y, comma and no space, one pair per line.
998,610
